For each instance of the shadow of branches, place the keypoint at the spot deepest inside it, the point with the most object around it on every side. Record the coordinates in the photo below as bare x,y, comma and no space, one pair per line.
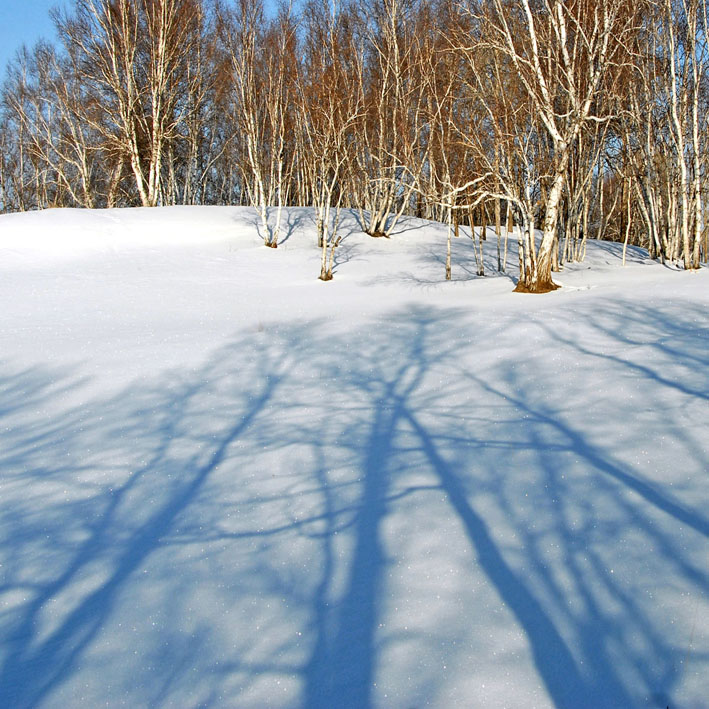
389,516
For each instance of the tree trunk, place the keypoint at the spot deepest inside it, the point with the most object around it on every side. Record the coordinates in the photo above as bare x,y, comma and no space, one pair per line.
498,233
539,280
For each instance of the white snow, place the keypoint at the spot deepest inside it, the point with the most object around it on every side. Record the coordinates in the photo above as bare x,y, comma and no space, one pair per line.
224,483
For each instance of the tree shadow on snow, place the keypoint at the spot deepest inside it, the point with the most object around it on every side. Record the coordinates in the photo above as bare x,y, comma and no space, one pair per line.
253,532
121,524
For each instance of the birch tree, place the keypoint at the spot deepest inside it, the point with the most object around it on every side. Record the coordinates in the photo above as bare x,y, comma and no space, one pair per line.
685,50
386,145
330,111
562,54
132,54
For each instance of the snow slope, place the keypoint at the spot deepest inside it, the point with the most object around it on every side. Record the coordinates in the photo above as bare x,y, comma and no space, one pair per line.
224,483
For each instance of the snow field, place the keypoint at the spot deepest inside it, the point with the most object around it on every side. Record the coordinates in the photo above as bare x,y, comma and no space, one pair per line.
225,483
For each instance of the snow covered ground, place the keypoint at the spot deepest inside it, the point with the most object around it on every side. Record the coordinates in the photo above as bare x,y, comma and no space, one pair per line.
224,483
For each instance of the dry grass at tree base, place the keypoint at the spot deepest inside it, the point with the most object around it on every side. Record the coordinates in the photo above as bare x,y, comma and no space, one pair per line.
548,287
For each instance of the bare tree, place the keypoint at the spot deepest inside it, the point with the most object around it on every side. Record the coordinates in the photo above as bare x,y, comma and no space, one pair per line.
329,110
387,141
562,53
132,54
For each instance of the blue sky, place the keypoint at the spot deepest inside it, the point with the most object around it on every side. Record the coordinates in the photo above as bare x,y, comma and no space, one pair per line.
23,21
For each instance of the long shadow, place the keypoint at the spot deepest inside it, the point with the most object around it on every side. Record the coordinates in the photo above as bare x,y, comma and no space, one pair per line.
34,666
344,253
578,668
637,326
598,650
407,224
553,658
294,221
615,248
633,324
341,670
463,261
371,408
342,667
638,367
577,442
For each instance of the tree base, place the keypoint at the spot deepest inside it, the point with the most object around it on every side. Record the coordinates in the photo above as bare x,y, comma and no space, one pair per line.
271,244
378,234
325,276
547,287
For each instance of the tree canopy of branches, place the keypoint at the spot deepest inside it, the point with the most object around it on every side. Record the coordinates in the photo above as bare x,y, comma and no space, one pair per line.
576,118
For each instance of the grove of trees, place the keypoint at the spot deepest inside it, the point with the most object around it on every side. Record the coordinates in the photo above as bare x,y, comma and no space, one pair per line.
582,118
